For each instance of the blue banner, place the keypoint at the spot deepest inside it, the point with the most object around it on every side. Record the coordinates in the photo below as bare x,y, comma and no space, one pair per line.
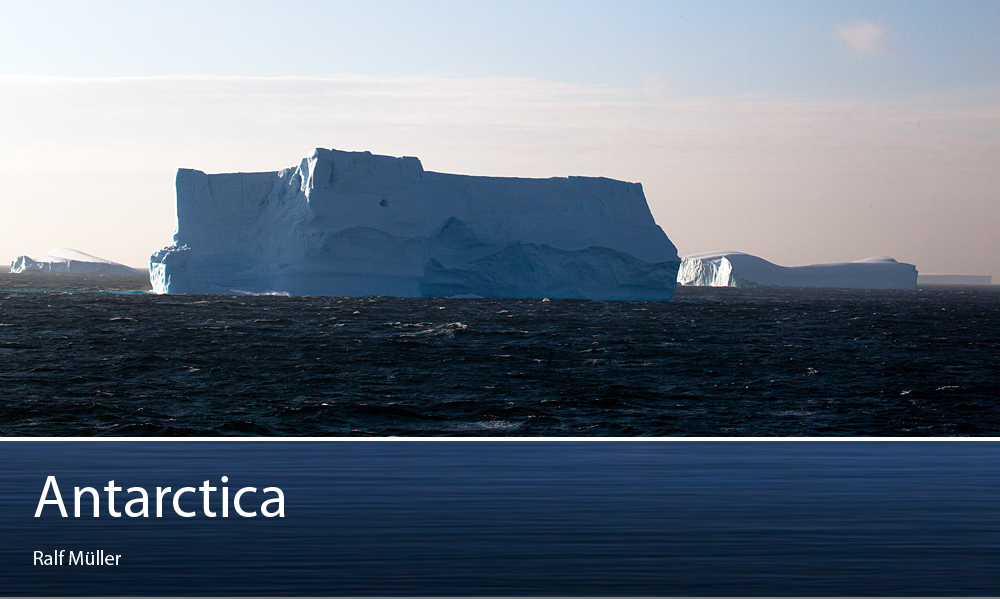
499,518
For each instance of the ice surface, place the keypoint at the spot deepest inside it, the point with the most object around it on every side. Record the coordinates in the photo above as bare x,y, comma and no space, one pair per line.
354,223
65,260
736,269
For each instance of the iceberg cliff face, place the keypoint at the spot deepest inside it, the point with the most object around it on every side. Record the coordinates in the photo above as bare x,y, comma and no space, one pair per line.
353,223
65,260
736,269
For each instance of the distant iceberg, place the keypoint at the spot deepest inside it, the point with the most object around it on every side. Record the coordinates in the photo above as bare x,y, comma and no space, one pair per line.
736,269
954,280
354,223
65,260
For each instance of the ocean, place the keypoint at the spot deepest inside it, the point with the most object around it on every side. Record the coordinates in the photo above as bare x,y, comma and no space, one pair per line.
86,356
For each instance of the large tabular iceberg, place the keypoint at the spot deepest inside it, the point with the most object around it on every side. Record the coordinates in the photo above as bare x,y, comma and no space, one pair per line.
65,260
354,223
736,269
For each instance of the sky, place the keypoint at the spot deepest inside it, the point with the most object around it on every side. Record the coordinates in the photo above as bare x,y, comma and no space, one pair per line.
799,131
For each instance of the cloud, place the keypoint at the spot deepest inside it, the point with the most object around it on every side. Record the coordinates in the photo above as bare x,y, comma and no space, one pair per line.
863,38
657,88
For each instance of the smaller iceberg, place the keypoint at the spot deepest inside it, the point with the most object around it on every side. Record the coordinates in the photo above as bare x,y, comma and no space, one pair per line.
65,260
736,269
954,280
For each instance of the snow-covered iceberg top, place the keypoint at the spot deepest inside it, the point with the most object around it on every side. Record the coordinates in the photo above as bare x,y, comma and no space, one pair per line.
736,269
65,260
354,223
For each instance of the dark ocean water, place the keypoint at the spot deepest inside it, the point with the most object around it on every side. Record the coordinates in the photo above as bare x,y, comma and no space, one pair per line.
711,362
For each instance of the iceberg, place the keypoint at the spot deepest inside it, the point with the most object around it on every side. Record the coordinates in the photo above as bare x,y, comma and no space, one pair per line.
954,280
65,260
358,224
736,269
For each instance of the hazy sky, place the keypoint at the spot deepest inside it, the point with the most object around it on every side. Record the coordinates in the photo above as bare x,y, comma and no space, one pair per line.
800,131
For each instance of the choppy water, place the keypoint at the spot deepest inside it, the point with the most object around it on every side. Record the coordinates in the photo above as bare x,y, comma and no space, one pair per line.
711,362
